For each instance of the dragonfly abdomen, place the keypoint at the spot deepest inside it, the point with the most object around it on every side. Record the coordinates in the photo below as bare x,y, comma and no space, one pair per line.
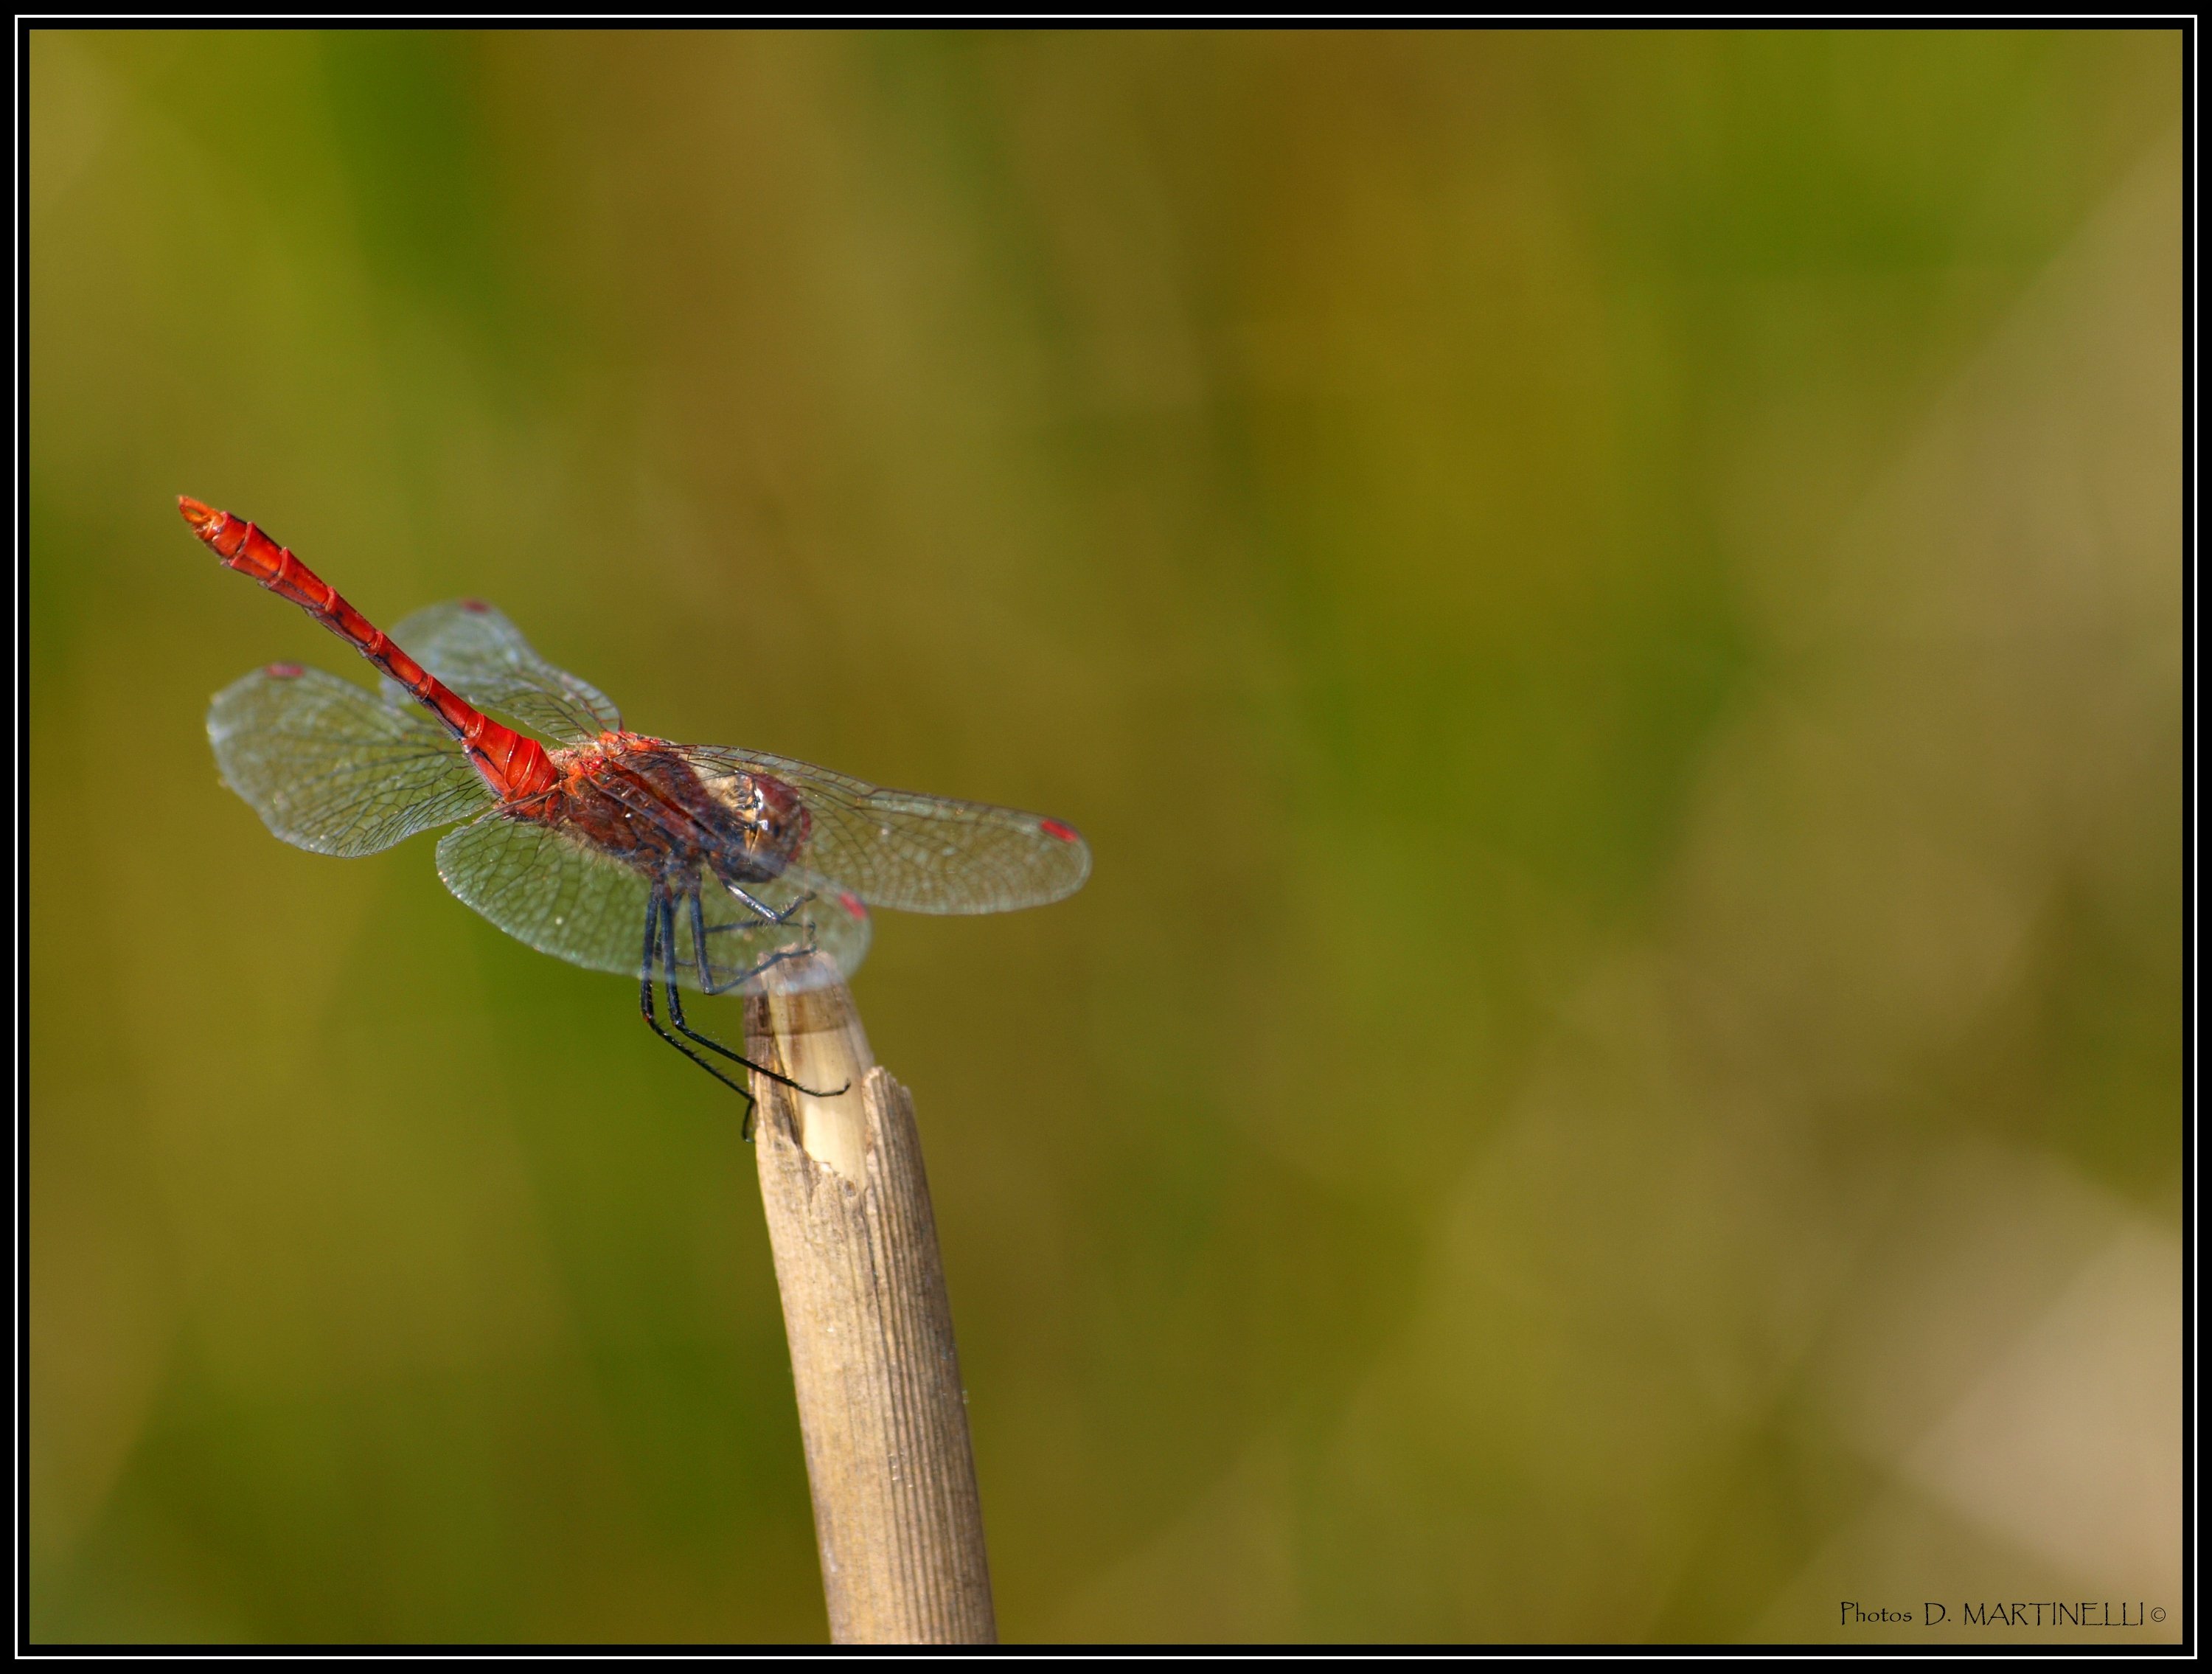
512,765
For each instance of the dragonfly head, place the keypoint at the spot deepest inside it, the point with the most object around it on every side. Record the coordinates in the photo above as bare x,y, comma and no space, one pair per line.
766,822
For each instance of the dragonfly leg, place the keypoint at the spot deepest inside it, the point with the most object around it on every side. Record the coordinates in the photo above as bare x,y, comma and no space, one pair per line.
708,983
767,913
653,917
751,971
665,910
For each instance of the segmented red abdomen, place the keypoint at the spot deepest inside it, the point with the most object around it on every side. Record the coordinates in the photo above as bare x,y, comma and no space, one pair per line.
512,765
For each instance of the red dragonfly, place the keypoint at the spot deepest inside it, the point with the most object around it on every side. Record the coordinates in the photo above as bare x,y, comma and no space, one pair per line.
696,867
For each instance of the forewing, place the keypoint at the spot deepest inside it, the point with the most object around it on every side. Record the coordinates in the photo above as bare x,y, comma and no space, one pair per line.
566,897
329,768
476,650
918,853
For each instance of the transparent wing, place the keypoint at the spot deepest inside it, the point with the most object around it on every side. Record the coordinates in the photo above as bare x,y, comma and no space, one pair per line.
476,650
568,899
919,853
329,768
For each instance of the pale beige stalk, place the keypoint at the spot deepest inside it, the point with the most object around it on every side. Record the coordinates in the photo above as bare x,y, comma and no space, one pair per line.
896,1518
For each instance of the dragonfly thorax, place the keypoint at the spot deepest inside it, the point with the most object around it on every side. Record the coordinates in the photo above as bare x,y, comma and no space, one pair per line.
638,798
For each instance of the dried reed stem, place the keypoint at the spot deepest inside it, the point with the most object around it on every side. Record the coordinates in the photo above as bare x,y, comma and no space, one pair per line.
880,1403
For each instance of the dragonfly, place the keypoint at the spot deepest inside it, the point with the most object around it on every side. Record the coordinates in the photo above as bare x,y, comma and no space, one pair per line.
696,868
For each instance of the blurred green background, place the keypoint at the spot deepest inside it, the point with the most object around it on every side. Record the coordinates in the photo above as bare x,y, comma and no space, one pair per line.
1609,606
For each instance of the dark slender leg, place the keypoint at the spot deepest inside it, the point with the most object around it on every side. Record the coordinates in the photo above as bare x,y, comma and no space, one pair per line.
654,916
763,908
701,930
665,910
